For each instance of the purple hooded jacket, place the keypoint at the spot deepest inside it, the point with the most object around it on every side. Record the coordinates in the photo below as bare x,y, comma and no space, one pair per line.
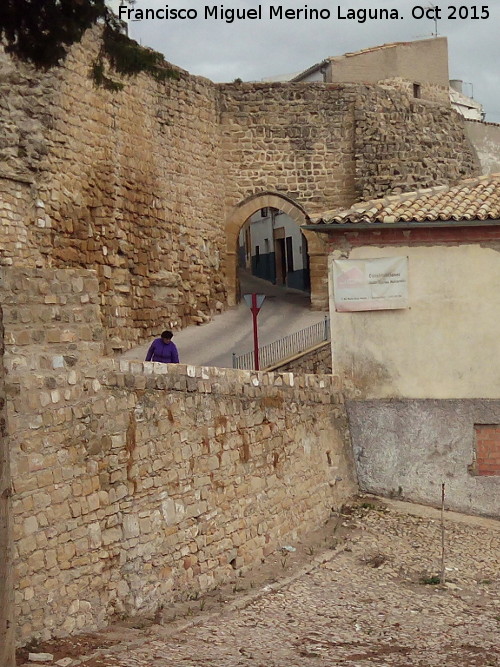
164,352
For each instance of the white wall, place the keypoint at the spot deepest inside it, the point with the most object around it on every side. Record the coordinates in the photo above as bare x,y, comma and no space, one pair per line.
485,137
262,228
445,345
466,106
313,77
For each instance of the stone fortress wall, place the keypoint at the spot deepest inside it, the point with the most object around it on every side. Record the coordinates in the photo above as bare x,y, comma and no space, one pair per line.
139,185
124,183
138,484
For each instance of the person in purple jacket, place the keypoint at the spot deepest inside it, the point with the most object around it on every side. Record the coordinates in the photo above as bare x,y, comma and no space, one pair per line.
163,350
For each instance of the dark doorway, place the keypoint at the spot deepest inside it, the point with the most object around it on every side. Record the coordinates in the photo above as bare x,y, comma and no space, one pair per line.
280,260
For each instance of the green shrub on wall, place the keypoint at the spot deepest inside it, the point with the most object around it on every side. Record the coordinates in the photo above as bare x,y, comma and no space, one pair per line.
128,58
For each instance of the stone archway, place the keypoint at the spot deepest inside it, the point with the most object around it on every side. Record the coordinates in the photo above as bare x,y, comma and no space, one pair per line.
316,247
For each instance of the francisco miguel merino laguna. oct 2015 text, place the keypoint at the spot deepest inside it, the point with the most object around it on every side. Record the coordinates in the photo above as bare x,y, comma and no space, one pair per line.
278,12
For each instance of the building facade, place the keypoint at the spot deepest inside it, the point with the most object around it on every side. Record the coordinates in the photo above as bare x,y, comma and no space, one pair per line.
419,372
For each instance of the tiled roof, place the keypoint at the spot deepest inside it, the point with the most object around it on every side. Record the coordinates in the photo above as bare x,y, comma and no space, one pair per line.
472,199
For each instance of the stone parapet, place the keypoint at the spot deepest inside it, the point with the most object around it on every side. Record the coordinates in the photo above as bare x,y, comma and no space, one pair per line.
146,483
225,381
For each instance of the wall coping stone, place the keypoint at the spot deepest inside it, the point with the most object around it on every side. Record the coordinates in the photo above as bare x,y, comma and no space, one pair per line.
132,375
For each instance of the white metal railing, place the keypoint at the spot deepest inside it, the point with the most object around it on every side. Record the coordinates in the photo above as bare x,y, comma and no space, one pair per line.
286,347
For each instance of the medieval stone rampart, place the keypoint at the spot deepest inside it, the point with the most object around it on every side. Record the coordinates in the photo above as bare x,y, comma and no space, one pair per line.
136,484
295,139
390,157
125,183
142,185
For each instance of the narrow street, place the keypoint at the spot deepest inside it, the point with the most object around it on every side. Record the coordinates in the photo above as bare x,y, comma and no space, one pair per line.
284,311
366,594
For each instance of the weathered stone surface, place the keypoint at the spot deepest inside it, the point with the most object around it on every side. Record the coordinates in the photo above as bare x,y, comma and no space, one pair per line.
436,446
318,360
135,481
41,657
143,186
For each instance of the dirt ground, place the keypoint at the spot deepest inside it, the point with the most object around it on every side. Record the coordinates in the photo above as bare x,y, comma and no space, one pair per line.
363,590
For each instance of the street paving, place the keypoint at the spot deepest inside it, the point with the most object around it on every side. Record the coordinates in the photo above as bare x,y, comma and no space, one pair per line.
370,599
284,311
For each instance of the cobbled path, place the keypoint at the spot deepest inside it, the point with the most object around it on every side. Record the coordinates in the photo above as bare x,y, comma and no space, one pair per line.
365,604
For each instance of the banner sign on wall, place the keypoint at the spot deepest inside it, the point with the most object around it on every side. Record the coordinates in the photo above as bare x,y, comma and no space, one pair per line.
370,284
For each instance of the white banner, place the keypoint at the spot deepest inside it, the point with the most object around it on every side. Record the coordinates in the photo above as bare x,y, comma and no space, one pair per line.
370,284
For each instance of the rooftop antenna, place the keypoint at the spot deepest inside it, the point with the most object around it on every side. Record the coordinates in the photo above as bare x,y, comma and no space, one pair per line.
432,6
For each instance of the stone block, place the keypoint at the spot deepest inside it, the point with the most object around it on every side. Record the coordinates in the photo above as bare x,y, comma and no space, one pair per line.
41,657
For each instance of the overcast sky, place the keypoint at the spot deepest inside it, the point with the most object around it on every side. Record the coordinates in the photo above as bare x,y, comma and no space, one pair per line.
256,49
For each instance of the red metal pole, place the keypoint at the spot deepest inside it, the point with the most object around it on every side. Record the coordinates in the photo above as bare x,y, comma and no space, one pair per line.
255,312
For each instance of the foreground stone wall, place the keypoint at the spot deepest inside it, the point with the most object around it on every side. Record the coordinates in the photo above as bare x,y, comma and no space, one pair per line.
136,484
173,483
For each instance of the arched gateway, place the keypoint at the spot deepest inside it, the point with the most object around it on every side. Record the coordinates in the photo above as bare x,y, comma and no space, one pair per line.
315,245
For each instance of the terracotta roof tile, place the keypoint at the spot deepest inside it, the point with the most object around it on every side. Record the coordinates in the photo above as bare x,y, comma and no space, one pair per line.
471,199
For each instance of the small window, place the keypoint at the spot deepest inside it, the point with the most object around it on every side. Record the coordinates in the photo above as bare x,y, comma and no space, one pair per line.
417,90
487,450
264,212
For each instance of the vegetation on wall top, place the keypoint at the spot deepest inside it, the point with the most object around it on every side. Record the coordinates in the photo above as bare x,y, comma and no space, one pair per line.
41,32
129,58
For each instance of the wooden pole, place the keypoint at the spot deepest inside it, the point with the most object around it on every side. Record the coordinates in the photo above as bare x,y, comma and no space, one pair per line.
443,570
7,640
255,311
